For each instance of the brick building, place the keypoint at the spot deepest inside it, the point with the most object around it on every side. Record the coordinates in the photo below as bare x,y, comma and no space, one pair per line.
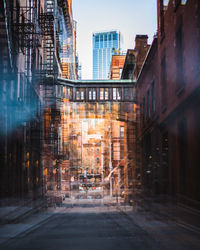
168,95
133,63
129,64
147,120
135,58
141,47
116,66
20,120
29,58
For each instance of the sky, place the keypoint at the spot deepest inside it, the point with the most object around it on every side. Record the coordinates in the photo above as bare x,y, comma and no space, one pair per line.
130,17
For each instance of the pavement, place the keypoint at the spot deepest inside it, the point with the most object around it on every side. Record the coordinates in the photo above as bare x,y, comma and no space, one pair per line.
19,209
88,224
13,230
170,233
169,211
96,224
18,217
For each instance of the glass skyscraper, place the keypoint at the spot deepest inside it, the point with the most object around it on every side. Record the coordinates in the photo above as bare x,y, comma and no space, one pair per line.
104,45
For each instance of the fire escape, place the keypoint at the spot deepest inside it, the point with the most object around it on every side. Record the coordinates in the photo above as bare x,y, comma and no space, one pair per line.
30,28
46,21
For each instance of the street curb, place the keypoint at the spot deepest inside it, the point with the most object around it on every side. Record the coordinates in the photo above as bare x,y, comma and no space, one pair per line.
34,227
26,214
27,231
170,222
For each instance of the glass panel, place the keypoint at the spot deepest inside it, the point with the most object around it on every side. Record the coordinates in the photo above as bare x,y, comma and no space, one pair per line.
94,94
114,94
118,94
90,94
106,94
121,132
101,93
82,94
77,95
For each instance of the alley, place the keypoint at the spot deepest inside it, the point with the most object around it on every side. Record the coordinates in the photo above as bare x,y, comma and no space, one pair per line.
97,224
101,152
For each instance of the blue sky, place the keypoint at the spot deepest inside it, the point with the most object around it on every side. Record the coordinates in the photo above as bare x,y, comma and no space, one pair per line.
130,17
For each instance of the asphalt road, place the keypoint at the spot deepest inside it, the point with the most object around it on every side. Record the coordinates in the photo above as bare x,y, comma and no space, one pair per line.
86,226
89,224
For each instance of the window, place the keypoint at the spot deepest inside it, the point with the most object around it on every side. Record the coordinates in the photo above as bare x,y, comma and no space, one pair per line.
90,94
182,147
163,82
97,150
101,93
97,39
153,101
115,36
82,94
98,161
64,92
165,170
143,109
128,94
121,151
69,93
106,94
4,65
118,94
179,57
94,94
77,95
148,104
121,132
114,94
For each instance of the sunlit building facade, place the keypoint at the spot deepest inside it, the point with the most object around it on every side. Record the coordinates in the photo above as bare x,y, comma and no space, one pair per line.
105,44
116,66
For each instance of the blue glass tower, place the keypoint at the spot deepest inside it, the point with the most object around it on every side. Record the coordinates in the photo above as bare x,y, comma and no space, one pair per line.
104,45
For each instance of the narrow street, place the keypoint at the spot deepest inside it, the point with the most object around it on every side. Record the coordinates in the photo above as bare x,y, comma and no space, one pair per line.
99,124
90,224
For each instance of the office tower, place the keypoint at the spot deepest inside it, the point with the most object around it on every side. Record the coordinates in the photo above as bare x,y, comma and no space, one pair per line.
105,44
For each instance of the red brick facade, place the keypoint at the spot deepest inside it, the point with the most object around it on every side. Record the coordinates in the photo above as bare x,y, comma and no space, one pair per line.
170,135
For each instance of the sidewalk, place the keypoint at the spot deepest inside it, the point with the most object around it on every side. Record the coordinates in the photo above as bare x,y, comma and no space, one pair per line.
167,232
20,220
171,211
18,210
10,231
20,216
